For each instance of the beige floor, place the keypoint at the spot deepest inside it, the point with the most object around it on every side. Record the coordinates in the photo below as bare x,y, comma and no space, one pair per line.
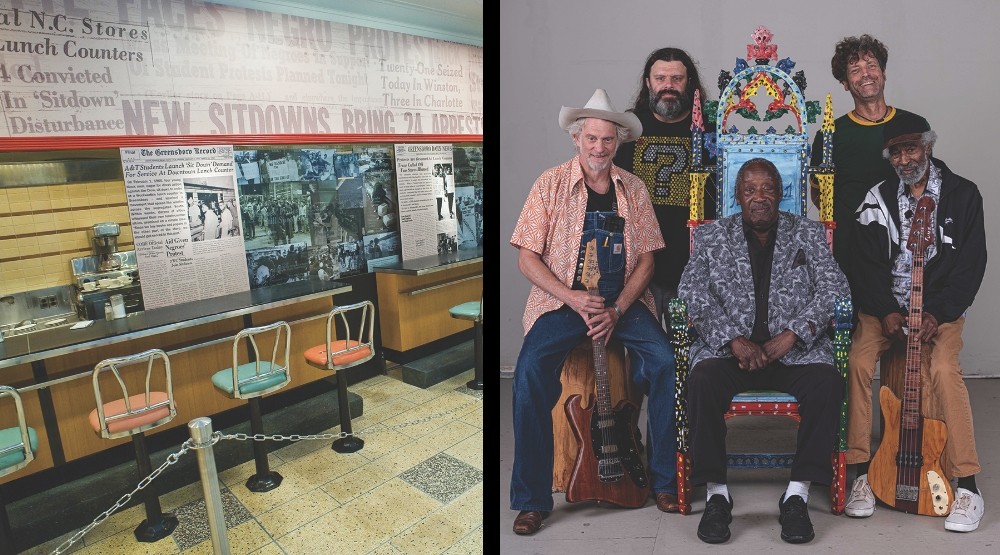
415,488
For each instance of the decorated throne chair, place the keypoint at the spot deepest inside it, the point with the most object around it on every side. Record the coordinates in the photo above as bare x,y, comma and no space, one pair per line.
761,112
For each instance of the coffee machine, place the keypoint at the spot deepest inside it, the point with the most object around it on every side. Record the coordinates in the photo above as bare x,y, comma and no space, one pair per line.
104,236
109,272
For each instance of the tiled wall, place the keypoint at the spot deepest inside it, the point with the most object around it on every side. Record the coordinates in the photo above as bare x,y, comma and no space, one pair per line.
43,227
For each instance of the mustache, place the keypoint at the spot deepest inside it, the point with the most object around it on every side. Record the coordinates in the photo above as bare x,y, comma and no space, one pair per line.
672,92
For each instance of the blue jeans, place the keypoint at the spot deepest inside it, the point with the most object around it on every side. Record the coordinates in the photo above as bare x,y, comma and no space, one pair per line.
537,390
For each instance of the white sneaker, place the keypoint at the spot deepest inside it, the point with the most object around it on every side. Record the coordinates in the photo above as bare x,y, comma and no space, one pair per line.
966,511
861,501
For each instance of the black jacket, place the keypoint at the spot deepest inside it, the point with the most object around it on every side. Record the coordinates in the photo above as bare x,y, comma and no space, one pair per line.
951,279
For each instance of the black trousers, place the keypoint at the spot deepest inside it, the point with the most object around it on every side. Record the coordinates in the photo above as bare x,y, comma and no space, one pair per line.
713,382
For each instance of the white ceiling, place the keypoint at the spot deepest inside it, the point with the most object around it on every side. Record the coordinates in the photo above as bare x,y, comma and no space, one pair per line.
452,20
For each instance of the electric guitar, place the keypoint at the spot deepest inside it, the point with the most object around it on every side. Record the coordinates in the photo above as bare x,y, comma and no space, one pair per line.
608,467
905,472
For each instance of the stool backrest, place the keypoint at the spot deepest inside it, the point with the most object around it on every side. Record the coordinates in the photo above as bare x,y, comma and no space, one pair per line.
24,446
358,339
136,404
264,369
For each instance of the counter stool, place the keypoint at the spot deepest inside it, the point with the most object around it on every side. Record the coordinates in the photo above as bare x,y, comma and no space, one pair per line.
131,415
473,311
338,355
17,448
251,381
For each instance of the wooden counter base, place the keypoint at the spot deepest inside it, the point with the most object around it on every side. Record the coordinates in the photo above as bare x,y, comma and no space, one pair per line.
413,309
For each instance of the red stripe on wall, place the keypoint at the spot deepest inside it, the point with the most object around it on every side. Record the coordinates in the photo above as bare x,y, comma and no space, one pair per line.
74,143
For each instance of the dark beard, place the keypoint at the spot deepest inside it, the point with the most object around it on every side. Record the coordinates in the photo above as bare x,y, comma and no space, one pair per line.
669,106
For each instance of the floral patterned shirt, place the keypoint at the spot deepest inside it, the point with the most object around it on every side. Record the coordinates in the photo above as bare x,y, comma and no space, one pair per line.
551,224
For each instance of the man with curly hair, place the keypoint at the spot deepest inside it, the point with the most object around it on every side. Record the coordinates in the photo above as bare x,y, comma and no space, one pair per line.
858,64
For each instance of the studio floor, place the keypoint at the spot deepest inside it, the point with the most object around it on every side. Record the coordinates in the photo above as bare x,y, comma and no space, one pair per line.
586,528
415,488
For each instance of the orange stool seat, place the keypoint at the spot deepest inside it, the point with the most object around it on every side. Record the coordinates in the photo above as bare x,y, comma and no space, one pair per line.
356,325
157,409
131,414
345,351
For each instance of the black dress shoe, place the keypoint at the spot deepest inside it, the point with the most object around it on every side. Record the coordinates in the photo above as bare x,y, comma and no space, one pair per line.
714,525
794,518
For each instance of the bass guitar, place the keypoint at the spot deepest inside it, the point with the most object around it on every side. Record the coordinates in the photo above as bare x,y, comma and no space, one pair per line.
905,472
608,466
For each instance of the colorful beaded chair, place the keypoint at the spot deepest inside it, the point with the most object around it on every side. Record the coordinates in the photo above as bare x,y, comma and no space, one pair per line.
789,151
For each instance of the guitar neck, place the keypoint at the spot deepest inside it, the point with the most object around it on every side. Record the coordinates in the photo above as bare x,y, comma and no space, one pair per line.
601,377
910,410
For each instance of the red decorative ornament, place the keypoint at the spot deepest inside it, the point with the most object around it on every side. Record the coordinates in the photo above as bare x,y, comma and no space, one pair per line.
762,49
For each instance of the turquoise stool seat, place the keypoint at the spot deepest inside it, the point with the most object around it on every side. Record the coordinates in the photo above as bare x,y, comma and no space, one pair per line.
249,381
265,371
12,448
18,446
473,310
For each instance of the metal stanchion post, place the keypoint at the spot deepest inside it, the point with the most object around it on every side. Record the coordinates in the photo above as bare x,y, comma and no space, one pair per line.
201,434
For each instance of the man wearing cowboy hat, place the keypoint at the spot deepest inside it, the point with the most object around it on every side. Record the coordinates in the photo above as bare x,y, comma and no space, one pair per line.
585,198
954,266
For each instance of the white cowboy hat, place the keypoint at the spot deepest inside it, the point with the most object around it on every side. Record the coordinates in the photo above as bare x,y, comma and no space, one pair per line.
599,106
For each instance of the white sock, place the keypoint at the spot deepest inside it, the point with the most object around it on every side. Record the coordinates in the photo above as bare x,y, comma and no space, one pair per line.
715,488
798,488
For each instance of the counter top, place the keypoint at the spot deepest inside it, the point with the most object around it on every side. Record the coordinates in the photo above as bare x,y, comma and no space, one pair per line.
61,341
431,264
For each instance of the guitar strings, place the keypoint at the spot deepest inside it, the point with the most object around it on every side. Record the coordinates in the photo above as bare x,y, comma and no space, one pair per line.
907,456
604,397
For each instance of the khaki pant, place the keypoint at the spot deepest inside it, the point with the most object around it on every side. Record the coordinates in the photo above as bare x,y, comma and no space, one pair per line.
943,394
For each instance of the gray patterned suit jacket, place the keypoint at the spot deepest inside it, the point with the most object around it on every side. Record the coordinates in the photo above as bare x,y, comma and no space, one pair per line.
717,286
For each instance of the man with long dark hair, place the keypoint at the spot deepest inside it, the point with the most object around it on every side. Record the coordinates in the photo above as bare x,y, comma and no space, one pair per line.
662,158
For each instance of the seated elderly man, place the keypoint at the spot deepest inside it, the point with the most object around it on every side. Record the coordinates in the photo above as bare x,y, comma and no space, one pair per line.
760,289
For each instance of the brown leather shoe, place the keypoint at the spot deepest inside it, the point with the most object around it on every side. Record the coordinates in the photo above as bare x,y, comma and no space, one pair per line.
528,522
667,502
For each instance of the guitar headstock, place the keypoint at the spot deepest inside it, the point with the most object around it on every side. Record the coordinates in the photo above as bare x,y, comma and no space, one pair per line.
921,230
591,271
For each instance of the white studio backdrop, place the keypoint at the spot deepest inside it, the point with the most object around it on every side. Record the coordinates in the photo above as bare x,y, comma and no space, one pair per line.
943,63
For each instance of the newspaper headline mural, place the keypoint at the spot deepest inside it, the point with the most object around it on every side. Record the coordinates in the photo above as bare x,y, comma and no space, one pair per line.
183,67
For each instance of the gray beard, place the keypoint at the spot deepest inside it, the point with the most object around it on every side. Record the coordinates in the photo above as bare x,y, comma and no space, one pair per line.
598,167
668,109
909,181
